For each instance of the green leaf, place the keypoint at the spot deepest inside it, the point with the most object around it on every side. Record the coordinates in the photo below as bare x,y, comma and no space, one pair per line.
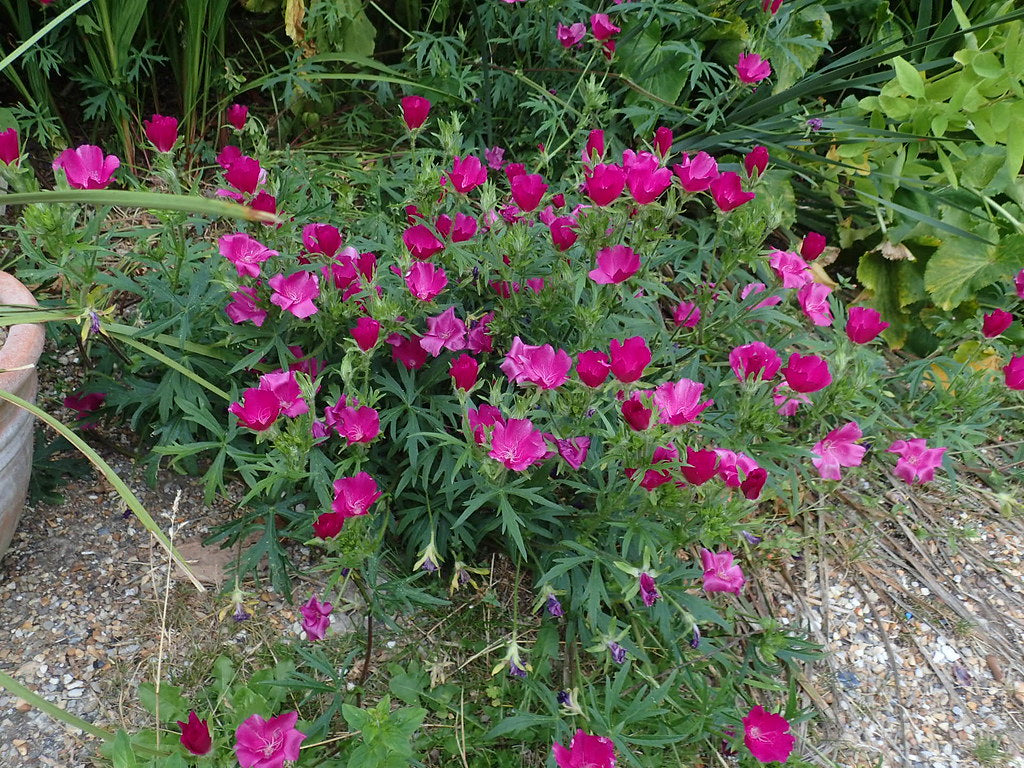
121,753
173,706
960,267
908,77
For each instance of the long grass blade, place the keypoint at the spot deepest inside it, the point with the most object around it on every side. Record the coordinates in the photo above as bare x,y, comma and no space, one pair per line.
25,46
153,200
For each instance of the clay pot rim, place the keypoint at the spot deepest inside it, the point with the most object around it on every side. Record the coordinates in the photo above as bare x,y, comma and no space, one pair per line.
24,344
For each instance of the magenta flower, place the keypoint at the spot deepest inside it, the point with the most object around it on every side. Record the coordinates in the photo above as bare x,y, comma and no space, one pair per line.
864,324
686,314
645,176
654,478
615,265
727,192
756,160
662,142
838,449
245,174
243,306
585,751
629,358
444,331
995,322
1018,283
771,301
720,573
738,470
812,246
407,351
161,131
414,111
195,735
463,370
679,402
263,743
571,35
479,340
752,68
563,232
700,466
366,333
83,405
467,174
295,293
421,242
772,5
592,367
602,26
86,168
316,617
696,173
237,114
806,373
755,360
604,183
813,299
917,462
517,444
245,252
324,239
258,410
464,229
536,364
227,156
573,450
594,149
286,389
787,400
636,411
357,425
1013,372
9,150
527,190
648,589
791,269
766,735
480,419
328,525
353,496
425,280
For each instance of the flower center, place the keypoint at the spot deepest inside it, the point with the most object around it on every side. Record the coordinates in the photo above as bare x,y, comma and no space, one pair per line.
271,745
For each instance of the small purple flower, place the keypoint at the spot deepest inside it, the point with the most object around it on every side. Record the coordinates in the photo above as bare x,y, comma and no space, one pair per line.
564,698
648,589
815,124
94,322
751,538
555,607
495,157
695,640
241,614
591,412
617,651
429,565
515,670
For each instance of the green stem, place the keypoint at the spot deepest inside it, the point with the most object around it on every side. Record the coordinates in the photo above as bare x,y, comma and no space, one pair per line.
21,49
154,200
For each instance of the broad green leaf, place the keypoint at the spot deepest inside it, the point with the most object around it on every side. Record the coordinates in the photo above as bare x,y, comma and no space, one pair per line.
908,77
173,706
960,267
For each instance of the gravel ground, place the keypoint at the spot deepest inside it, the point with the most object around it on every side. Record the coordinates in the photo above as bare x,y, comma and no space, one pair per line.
918,602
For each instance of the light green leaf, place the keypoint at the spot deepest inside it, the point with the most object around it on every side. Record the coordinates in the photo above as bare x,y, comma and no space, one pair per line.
908,77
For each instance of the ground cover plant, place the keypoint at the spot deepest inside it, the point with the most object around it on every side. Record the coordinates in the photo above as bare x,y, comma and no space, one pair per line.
604,362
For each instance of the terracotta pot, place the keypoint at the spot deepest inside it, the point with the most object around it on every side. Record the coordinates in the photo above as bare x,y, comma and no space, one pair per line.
23,347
